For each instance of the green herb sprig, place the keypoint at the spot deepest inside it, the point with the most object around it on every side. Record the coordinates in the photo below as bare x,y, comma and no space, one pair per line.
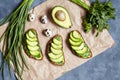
97,15
13,37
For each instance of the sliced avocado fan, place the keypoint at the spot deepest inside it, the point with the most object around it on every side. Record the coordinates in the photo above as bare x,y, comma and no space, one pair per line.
31,45
78,45
55,50
61,17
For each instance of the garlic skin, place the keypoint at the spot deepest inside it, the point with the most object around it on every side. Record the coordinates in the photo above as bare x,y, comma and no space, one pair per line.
48,33
44,19
31,17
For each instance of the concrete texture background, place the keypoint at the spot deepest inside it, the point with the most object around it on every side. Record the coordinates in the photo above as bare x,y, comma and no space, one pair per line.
105,66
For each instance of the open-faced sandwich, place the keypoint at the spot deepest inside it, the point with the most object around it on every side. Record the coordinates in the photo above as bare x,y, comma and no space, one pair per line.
31,45
54,50
78,45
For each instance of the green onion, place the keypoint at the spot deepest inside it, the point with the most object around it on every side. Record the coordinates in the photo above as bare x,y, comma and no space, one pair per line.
81,3
13,38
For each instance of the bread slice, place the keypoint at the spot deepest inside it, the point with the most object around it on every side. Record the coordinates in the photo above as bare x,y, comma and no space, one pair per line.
37,53
55,55
74,52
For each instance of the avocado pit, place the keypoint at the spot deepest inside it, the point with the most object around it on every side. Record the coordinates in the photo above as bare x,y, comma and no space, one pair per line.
60,15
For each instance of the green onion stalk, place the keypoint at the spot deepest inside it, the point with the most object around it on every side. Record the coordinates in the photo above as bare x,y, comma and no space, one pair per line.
12,39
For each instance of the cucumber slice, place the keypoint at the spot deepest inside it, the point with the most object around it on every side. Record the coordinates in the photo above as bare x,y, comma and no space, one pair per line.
31,43
57,42
56,52
61,59
56,46
53,56
74,43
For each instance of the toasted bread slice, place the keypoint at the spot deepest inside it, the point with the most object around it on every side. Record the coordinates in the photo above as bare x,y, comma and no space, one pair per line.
54,50
81,50
31,45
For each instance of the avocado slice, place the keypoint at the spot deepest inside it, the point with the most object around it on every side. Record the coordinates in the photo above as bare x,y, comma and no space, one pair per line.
76,48
61,17
57,42
30,38
83,51
53,56
87,54
57,52
32,34
35,53
31,45
73,38
76,34
74,43
56,46
57,61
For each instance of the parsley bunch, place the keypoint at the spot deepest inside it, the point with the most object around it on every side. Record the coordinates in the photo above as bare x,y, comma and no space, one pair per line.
97,15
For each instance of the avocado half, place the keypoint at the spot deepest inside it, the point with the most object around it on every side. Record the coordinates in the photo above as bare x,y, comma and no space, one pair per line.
65,23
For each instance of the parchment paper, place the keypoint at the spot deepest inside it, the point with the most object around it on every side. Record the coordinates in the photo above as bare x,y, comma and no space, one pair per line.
44,70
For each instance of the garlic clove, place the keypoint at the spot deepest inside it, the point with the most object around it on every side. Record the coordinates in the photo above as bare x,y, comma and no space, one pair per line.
48,33
31,17
44,19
